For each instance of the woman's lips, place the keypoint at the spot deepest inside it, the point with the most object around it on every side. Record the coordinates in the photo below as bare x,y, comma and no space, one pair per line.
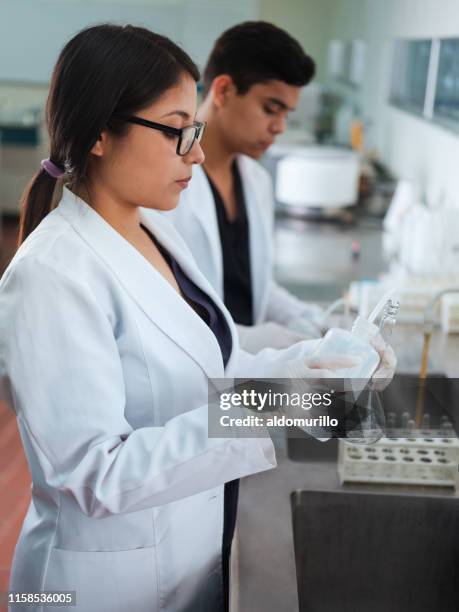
183,183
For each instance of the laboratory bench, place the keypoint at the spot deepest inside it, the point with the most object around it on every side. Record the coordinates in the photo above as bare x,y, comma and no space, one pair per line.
317,260
301,508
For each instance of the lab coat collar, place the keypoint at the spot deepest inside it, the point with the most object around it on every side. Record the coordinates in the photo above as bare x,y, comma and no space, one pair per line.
204,211
155,296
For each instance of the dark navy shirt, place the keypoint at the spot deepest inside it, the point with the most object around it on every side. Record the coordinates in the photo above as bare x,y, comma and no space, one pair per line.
234,239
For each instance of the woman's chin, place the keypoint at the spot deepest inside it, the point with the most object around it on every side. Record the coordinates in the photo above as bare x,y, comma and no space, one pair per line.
164,205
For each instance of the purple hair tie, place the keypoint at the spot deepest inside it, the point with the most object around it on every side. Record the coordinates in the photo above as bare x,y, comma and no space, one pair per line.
51,168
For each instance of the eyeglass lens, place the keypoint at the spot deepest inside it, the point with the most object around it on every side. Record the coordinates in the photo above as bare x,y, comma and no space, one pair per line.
189,135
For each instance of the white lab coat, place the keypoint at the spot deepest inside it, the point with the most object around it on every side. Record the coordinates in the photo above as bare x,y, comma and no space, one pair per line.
107,368
196,220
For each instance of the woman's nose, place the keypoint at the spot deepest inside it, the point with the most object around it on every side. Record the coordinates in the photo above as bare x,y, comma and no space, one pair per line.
196,154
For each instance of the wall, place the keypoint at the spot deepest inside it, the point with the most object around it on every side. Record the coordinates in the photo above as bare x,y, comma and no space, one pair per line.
33,31
411,146
306,20
415,147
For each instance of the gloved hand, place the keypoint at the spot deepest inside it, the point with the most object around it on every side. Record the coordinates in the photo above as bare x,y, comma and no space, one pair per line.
314,312
255,338
333,366
310,322
309,328
329,366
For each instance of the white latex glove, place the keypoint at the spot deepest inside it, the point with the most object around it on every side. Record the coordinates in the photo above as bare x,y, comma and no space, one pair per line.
310,322
332,366
328,366
314,312
255,338
386,369
308,327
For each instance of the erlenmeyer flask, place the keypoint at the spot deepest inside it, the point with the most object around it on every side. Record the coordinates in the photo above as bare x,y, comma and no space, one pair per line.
368,421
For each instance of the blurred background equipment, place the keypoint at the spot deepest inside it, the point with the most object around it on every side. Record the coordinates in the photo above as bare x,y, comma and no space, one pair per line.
318,180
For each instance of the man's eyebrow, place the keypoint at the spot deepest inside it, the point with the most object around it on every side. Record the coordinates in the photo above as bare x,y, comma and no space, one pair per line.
180,113
280,103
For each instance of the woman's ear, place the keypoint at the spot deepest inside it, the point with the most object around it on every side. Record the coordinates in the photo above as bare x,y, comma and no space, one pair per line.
99,148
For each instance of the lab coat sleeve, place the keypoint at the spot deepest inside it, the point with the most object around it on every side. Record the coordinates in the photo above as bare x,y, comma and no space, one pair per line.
61,361
281,306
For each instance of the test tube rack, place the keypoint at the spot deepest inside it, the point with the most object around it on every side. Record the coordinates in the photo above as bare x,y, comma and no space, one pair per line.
431,460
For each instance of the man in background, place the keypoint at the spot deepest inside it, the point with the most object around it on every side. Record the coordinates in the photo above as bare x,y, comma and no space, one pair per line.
252,80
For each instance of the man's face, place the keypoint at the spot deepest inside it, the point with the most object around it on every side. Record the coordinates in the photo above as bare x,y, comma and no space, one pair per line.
252,121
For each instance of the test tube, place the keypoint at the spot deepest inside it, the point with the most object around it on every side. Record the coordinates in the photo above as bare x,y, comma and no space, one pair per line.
405,419
426,421
391,420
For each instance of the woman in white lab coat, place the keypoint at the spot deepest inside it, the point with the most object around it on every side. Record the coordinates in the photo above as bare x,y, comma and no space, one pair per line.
106,348
106,362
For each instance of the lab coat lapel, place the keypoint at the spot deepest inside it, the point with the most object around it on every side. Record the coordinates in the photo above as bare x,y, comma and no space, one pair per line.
258,238
169,238
158,300
206,216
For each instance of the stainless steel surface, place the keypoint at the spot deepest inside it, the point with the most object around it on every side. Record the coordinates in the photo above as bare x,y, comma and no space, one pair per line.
301,447
360,551
317,213
315,259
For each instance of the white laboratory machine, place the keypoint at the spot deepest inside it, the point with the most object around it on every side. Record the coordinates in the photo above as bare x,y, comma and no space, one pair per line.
318,180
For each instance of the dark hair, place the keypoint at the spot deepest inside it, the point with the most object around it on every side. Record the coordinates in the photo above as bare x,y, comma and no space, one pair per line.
256,52
102,73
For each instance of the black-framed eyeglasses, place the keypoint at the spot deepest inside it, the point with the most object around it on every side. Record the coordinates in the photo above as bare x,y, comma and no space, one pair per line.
186,135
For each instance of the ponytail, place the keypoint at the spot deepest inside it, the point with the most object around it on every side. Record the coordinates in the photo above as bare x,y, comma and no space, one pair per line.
36,203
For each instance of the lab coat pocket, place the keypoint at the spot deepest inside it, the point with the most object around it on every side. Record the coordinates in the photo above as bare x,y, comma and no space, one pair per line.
105,581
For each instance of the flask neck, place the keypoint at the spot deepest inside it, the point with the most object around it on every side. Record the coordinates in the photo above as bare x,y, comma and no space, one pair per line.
364,329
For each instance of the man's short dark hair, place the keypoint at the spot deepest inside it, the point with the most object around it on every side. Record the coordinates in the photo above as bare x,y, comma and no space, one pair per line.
256,52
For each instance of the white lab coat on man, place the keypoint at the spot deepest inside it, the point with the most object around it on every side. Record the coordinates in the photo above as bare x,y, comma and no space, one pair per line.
196,220
107,370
